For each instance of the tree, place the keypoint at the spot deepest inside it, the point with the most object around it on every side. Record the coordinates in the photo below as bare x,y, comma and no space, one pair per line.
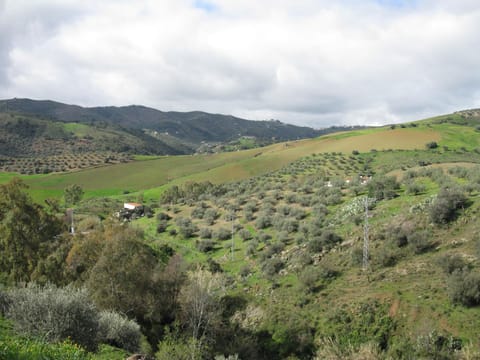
383,187
25,229
124,279
73,194
199,300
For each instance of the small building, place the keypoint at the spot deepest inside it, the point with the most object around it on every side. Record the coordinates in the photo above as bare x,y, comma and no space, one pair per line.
132,206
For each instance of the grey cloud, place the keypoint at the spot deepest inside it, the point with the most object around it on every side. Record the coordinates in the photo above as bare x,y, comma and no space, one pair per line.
306,61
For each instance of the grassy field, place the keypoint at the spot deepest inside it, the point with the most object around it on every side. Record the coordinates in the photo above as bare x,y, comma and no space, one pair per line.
150,174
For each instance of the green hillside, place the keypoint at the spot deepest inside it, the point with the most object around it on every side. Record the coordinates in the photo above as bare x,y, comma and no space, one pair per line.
455,142
191,128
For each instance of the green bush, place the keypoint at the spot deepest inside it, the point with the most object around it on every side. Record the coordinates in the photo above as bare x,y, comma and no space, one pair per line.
16,348
420,242
327,240
451,263
445,207
205,245
464,287
245,234
415,188
263,221
54,314
272,266
222,234
162,226
185,227
205,233
383,187
437,346
118,331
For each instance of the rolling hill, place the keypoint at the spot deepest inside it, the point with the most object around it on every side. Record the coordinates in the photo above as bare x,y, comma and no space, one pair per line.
396,146
190,128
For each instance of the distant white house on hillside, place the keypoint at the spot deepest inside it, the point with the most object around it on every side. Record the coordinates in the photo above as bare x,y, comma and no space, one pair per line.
132,206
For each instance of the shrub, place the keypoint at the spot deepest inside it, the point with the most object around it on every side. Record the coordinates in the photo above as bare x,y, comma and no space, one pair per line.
251,249
383,187
437,346
272,266
420,242
273,249
118,331
210,216
205,245
283,237
162,226
245,270
245,234
55,314
263,221
185,227
387,256
213,266
13,348
198,212
415,188
205,233
308,278
448,202
163,216
464,287
431,145
326,240
451,263
222,234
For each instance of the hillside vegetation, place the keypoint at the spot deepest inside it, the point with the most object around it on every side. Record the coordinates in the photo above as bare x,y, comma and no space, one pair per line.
147,130
259,254
150,175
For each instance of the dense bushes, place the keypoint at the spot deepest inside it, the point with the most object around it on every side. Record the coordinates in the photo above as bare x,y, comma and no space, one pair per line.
54,314
67,314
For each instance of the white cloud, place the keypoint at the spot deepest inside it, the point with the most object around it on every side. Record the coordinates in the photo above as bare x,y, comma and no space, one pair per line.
312,62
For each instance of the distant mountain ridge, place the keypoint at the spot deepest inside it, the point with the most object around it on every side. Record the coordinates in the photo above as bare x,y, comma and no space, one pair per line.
192,127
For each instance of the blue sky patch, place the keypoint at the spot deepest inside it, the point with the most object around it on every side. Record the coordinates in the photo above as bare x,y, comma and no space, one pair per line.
205,5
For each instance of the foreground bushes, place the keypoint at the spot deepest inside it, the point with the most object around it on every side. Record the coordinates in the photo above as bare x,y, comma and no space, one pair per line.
58,314
25,349
54,314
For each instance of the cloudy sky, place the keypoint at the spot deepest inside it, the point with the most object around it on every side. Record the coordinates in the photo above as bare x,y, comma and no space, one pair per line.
312,62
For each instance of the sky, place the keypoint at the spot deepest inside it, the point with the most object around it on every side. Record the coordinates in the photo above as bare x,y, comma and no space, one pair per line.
306,62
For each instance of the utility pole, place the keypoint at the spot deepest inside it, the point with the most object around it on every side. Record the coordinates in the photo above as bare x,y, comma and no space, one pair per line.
233,232
72,225
365,238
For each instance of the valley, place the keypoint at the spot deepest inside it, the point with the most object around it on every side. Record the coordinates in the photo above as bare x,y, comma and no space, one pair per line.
272,239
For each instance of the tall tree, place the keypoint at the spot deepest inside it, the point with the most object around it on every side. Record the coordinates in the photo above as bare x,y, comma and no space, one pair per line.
25,227
73,194
200,299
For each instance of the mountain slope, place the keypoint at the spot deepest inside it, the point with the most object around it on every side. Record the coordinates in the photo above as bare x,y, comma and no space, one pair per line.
193,127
